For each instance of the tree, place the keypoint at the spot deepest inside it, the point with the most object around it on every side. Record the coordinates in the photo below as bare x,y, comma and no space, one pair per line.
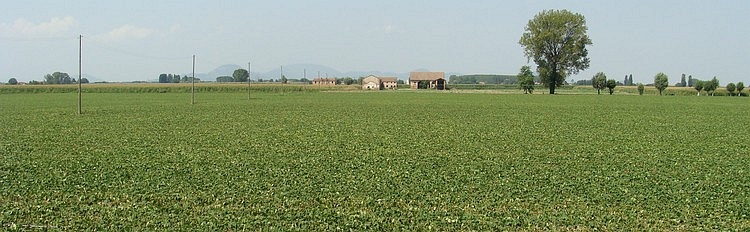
283,79
683,82
710,86
84,80
526,79
611,84
599,82
556,40
690,81
58,78
740,87
174,78
628,80
240,75
348,81
730,88
224,79
631,80
163,78
12,81
698,85
661,81
400,82
641,88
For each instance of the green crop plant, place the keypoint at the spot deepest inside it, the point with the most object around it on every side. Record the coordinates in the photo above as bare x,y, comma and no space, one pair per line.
389,160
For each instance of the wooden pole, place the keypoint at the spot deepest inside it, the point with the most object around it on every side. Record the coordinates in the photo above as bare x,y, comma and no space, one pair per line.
249,75
192,102
80,58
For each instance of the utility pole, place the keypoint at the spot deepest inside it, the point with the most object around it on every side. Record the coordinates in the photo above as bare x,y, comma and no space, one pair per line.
192,102
249,76
304,75
80,58
282,74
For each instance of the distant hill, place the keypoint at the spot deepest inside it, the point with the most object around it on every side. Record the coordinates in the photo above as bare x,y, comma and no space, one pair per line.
224,70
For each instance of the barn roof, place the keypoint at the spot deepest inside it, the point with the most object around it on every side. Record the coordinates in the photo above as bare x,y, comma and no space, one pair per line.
389,79
426,76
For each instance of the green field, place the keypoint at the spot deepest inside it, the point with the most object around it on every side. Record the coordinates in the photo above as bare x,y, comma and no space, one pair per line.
390,160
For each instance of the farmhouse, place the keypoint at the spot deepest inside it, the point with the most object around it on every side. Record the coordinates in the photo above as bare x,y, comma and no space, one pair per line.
379,83
427,80
324,81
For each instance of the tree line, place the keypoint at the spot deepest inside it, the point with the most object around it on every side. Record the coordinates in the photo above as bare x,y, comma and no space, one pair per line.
56,78
242,75
175,78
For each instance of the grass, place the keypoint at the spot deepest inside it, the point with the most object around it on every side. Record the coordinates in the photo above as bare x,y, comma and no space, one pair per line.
411,160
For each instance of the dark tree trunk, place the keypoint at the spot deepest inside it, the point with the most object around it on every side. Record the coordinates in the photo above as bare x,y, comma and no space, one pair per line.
553,79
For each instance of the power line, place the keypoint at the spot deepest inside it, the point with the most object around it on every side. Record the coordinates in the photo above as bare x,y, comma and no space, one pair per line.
38,38
134,54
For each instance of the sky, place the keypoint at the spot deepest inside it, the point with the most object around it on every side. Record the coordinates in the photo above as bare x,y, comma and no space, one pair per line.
137,40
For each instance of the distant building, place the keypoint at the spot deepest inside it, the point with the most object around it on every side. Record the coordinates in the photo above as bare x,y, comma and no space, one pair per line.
389,82
373,82
324,81
427,80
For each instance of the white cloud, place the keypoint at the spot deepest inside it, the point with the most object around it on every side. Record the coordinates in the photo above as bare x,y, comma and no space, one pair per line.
127,32
23,27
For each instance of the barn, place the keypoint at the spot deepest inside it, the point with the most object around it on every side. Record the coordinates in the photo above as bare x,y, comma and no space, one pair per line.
427,80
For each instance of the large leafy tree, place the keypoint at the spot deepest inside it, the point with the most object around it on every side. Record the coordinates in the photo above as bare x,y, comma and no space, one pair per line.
599,82
526,79
661,81
240,75
556,40
611,84
12,81
740,86
58,78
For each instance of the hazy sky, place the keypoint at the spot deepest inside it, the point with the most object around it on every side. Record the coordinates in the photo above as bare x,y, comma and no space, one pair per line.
137,40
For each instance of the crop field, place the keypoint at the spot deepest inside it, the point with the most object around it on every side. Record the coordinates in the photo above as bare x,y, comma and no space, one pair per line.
389,160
